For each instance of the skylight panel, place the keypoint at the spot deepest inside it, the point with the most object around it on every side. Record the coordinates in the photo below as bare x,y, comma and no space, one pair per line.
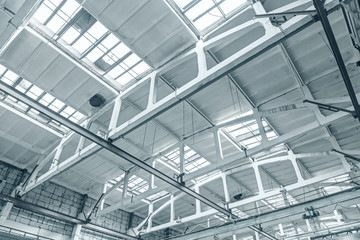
56,105
42,97
206,14
248,133
2,70
47,99
82,44
125,79
157,195
229,6
239,213
11,76
192,160
70,35
92,40
23,86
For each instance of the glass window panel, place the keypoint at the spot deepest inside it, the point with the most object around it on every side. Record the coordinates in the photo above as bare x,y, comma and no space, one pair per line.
56,105
78,115
82,44
110,41
55,2
230,5
2,69
23,85
208,19
69,110
141,68
10,75
124,66
97,30
70,35
182,3
36,90
131,60
124,79
70,7
108,59
120,50
90,37
43,13
47,98
116,71
55,23
199,8
95,54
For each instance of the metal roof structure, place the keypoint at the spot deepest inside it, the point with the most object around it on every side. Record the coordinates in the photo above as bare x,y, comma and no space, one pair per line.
217,119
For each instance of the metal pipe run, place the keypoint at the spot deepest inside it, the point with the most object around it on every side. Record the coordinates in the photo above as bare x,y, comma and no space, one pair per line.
347,155
285,14
319,6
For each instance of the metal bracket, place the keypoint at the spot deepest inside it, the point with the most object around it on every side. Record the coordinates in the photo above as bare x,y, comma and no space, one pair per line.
347,155
331,108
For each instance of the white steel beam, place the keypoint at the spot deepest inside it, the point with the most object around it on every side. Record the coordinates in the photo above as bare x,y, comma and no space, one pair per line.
275,217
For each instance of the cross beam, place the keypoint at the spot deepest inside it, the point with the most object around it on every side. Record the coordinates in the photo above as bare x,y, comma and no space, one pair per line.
106,144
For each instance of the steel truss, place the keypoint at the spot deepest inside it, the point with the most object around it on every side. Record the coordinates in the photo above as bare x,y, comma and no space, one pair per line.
272,37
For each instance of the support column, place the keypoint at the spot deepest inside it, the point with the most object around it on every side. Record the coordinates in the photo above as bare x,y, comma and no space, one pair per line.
258,179
197,202
172,208
82,139
218,148
58,152
262,131
151,176
151,210
295,166
125,188
76,234
153,89
182,158
6,209
103,200
115,113
226,190
201,57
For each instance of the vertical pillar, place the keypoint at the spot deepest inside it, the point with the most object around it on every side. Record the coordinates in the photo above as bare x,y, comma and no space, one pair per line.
125,188
151,210
103,200
151,176
182,158
295,166
58,152
226,190
76,234
308,225
197,202
153,89
82,139
262,131
218,148
172,208
258,179
281,229
115,113
201,57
